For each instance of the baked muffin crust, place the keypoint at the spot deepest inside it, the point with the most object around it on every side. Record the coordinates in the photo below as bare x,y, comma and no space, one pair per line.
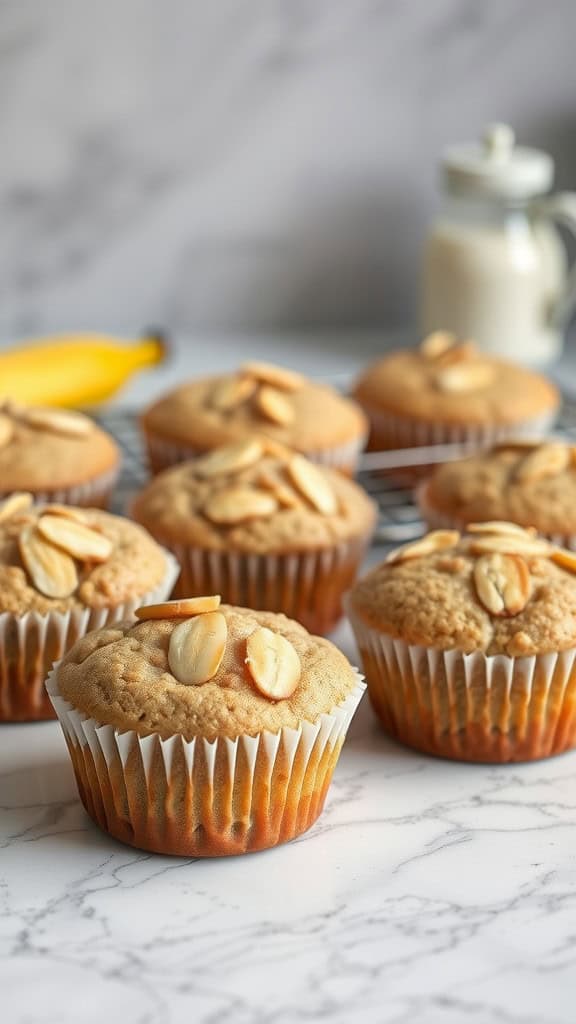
120,676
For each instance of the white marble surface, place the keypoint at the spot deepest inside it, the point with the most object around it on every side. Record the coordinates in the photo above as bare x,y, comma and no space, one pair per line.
428,892
250,163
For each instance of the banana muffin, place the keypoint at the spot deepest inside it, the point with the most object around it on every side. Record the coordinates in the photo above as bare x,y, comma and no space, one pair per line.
264,527
469,642
222,726
446,391
530,483
262,399
56,455
64,571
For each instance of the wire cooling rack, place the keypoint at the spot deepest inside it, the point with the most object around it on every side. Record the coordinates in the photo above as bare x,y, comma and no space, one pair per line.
393,491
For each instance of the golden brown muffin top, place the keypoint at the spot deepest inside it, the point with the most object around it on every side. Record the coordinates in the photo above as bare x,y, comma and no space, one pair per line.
497,589
530,483
451,382
54,558
245,497
130,676
260,398
45,449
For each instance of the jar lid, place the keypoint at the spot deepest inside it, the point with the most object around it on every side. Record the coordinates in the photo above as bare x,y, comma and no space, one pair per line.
497,167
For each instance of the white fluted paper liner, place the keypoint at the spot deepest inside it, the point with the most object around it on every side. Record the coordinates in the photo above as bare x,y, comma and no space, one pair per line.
471,707
391,431
94,492
306,586
436,520
344,457
199,797
30,643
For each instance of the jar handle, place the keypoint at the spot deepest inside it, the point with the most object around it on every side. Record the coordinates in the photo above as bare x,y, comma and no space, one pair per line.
561,208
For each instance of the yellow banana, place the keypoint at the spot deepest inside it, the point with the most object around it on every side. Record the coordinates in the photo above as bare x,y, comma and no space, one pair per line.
74,370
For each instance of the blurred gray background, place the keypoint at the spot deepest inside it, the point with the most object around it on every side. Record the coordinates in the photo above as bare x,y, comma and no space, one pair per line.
251,164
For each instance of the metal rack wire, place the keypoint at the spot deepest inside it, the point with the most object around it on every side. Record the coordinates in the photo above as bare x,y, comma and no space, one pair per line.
398,519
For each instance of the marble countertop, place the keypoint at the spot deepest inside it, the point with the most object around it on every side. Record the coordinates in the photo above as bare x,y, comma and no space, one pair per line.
429,892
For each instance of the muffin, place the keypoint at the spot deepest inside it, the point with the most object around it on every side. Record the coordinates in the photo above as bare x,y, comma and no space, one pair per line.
259,399
204,730
263,527
446,391
530,483
469,642
64,571
57,455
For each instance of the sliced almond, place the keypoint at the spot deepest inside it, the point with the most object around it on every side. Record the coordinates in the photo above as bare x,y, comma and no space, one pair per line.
235,504
565,559
75,539
312,483
284,495
230,459
51,570
6,430
17,502
67,511
276,449
464,377
277,376
232,392
502,583
498,527
273,663
459,353
512,545
437,540
58,421
274,405
545,461
181,609
437,343
197,647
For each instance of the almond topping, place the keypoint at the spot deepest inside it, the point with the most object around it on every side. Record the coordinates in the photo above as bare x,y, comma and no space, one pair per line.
184,608
232,392
59,421
277,376
464,377
75,538
6,430
502,583
512,545
67,511
459,353
312,483
51,570
437,540
497,527
547,460
276,449
17,502
283,494
230,459
274,405
565,559
437,343
197,647
234,504
273,663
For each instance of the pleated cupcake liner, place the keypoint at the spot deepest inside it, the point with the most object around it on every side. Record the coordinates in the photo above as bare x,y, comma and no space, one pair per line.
470,707
437,520
199,797
95,493
390,431
31,643
306,586
162,454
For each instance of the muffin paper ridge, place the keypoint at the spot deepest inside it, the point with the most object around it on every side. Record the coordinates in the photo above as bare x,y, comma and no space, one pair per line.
409,432
200,797
92,492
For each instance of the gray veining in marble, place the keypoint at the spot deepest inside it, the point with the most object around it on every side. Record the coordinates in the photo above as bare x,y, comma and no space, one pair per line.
250,163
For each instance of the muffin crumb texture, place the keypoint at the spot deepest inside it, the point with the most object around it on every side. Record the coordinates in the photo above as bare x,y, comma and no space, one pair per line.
501,592
268,673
